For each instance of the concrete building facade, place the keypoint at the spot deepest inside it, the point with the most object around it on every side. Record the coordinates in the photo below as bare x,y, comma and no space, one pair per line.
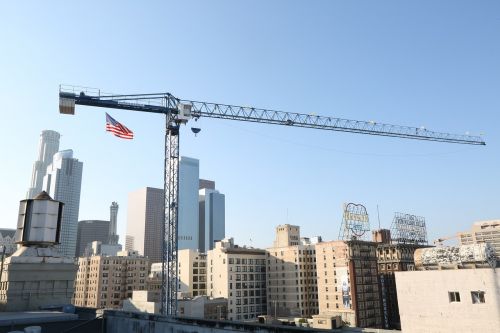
203,307
483,232
145,218
239,275
393,258
287,235
449,300
292,289
89,231
63,182
105,281
97,248
36,275
348,282
47,147
212,223
192,273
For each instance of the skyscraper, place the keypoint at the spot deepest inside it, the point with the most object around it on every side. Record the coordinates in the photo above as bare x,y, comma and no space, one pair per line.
212,225
48,146
205,183
189,181
145,222
63,182
113,215
89,231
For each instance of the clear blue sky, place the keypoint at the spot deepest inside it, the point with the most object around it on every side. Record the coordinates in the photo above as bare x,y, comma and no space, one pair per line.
422,63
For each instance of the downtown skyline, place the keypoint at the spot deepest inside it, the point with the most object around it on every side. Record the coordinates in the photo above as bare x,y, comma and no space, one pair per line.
442,75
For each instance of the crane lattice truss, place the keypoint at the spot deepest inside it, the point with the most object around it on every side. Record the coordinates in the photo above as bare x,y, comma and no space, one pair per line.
408,229
178,111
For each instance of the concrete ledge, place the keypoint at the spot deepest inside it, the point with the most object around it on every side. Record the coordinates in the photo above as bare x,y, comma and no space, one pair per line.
34,317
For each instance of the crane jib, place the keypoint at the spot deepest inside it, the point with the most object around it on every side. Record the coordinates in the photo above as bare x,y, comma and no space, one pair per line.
171,105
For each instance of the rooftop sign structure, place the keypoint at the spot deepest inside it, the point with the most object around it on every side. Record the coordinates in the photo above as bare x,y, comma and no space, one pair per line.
408,229
355,222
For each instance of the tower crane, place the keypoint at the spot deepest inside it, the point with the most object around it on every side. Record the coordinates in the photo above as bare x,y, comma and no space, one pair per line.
180,111
439,241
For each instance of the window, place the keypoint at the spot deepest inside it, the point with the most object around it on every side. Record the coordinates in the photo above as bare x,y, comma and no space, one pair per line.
454,296
477,297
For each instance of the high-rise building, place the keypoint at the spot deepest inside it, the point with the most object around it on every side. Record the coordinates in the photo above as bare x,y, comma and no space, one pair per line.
63,182
292,289
105,281
212,225
391,258
113,215
188,210
145,222
89,231
348,282
48,146
208,184
483,232
239,275
192,273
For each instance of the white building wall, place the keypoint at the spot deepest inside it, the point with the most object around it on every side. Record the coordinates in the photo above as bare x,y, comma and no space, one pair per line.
424,304
63,182
189,179
192,269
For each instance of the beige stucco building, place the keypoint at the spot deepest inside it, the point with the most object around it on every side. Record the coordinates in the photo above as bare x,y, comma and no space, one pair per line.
287,235
449,301
292,289
105,281
483,232
348,283
239,275
192,273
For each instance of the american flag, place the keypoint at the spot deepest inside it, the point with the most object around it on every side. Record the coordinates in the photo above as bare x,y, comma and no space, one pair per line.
118,129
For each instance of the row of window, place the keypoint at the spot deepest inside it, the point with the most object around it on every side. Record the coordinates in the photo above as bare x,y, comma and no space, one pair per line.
477,297
240,261
246,285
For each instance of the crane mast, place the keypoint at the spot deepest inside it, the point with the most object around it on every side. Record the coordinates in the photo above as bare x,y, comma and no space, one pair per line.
178,111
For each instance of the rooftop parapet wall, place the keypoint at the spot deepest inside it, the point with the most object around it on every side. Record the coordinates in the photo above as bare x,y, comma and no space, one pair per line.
480,255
